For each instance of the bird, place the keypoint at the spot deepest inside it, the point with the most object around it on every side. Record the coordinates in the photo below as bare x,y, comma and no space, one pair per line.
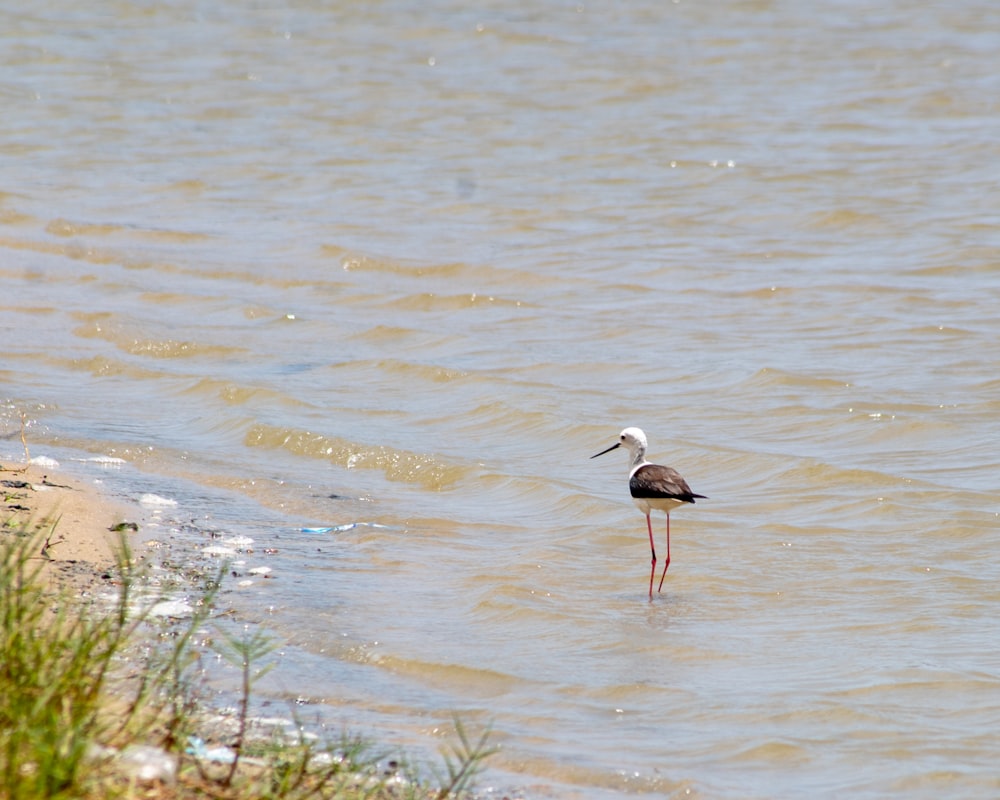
652,486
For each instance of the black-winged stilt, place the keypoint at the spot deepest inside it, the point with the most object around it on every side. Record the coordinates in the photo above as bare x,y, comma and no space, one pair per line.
652,487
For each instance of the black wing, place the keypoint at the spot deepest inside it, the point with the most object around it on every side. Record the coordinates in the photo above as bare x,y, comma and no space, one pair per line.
654,481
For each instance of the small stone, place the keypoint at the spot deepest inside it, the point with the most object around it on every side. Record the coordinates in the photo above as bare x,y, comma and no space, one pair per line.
149,764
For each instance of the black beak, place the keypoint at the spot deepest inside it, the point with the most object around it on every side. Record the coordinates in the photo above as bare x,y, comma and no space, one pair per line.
616,444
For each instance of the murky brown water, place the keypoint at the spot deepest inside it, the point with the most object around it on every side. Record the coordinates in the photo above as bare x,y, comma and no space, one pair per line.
412,266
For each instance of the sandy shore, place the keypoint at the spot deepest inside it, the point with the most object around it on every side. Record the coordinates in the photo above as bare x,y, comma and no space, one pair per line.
74,519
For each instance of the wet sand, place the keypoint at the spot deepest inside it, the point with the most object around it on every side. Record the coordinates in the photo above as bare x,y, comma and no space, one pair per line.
74,520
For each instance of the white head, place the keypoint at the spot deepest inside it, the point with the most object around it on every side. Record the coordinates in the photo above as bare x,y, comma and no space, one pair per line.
635,440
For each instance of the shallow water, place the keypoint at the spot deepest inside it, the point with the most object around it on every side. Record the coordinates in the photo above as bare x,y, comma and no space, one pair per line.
411,267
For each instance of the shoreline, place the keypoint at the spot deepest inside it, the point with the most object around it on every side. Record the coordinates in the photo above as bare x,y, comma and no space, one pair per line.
75,520
76,517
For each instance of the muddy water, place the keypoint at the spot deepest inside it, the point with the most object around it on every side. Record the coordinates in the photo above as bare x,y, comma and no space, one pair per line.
398,272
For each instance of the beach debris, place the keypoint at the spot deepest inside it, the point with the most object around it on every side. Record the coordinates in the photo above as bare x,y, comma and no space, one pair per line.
45,483
171,608
341,528
240,543
217,550
219,754
148,764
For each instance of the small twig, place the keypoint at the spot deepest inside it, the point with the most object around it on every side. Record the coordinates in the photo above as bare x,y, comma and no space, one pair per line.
49,544
46,482
24,440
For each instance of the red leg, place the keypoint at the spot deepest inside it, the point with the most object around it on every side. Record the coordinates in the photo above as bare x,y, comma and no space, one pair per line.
652,569
667,564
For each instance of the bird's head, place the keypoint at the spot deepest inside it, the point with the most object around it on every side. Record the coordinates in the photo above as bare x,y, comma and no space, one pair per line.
632,438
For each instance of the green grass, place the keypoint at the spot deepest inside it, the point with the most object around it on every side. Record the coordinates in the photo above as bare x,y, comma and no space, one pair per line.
72,696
